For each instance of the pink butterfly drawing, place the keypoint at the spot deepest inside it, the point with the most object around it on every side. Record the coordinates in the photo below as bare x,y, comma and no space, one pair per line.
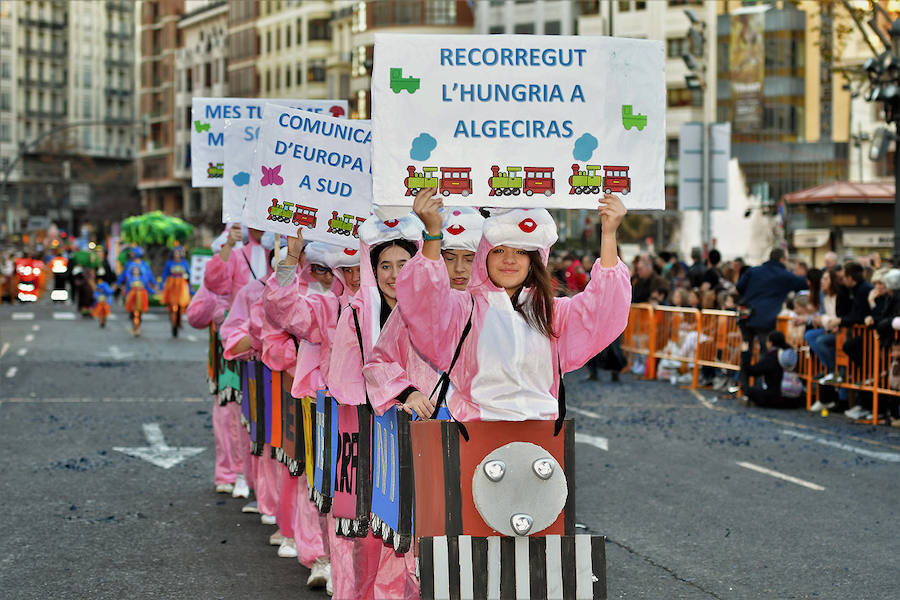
271,176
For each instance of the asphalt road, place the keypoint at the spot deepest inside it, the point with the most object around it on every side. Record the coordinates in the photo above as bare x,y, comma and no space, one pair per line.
689,489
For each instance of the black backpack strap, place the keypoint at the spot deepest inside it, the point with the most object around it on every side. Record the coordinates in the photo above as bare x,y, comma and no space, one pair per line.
561,398
444,381
362,353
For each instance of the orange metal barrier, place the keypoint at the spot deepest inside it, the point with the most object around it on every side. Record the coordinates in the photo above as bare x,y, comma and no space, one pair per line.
712,338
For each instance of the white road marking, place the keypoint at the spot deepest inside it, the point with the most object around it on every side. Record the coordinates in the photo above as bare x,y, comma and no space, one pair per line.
702,400
888,456
4,349
90,400
192,338
789,478
11,372
111,317
23,316
115,354
29,338
592,440
63,316
22,351
158,452
583,412
35,327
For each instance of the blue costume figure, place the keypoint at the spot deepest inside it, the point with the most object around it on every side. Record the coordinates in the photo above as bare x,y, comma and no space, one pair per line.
138,284
102,297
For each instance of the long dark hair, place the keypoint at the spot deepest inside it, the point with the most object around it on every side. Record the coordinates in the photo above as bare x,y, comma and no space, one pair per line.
539,312
375,258
814,277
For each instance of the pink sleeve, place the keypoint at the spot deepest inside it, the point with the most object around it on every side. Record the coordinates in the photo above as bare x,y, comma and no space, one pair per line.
256,323
385,370
202,309
218,274
236,325
433,311
345,378
589,321
278,349
287,309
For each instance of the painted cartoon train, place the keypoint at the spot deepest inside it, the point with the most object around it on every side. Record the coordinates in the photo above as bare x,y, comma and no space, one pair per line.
299,215
215,171
344,225
614,180
453,180
537,180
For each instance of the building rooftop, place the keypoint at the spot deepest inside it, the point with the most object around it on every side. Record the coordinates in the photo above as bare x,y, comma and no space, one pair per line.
844,192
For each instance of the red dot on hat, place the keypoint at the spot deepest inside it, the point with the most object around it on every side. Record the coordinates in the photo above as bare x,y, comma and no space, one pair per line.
392,222
527,225
456,213
455,229
349,251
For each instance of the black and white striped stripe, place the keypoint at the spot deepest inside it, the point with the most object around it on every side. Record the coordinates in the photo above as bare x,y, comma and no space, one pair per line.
496,567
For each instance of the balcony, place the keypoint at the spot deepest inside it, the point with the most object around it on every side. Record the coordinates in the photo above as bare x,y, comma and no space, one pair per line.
45,114
118,92
118,64
120,6
56,24
39,83
47,54
118,35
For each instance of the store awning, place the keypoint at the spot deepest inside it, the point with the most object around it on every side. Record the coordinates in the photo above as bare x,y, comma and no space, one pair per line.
844,192
877,238
811,238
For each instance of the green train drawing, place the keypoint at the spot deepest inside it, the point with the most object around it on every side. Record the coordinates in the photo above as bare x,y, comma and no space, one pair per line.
587,181
215,171
505,183
348,225
417,181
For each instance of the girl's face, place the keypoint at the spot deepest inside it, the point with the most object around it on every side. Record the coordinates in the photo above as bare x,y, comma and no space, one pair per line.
880,288
323,275
694,299
351,276
826,280
459,267
390,262
508,267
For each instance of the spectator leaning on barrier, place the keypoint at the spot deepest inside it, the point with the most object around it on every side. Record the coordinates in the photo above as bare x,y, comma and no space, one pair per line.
775,358
645,281
763,290
697,269
860,289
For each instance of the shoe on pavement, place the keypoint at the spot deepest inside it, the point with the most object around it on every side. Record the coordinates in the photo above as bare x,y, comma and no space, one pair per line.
320,573
250,507
224,488
817,407
267,519
276,538
288,548
866,415
734,389
241,490
855,412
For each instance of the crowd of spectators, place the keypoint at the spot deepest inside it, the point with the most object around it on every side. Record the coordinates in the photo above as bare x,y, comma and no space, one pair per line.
819,302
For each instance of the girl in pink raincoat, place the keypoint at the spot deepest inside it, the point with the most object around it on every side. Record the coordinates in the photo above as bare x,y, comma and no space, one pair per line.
521,338
306,307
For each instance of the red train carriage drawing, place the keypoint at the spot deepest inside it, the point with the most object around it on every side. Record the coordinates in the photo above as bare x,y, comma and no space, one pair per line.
305,216
539,180
616,179
456,180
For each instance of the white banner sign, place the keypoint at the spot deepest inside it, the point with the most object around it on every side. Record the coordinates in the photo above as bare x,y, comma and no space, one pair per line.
311,171
208,117
519,120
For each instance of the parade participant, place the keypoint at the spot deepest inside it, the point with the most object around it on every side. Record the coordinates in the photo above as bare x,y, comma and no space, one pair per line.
306,306
521,338
208,310
397,373
230,270
136,257
242,340
102,296
385,246
137,287
176,294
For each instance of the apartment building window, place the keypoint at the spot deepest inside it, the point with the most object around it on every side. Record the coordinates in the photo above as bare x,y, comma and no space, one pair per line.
269,41
299,74
287,77
299,29
624,5
189,80
5,70
5,38
497,29
287,35
524,28
86,107
319,29
278,79
685,2
4,101
86,78
552,28
268,81
278,39
207,74
316,70
683,97
676,47
440,12
5,131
